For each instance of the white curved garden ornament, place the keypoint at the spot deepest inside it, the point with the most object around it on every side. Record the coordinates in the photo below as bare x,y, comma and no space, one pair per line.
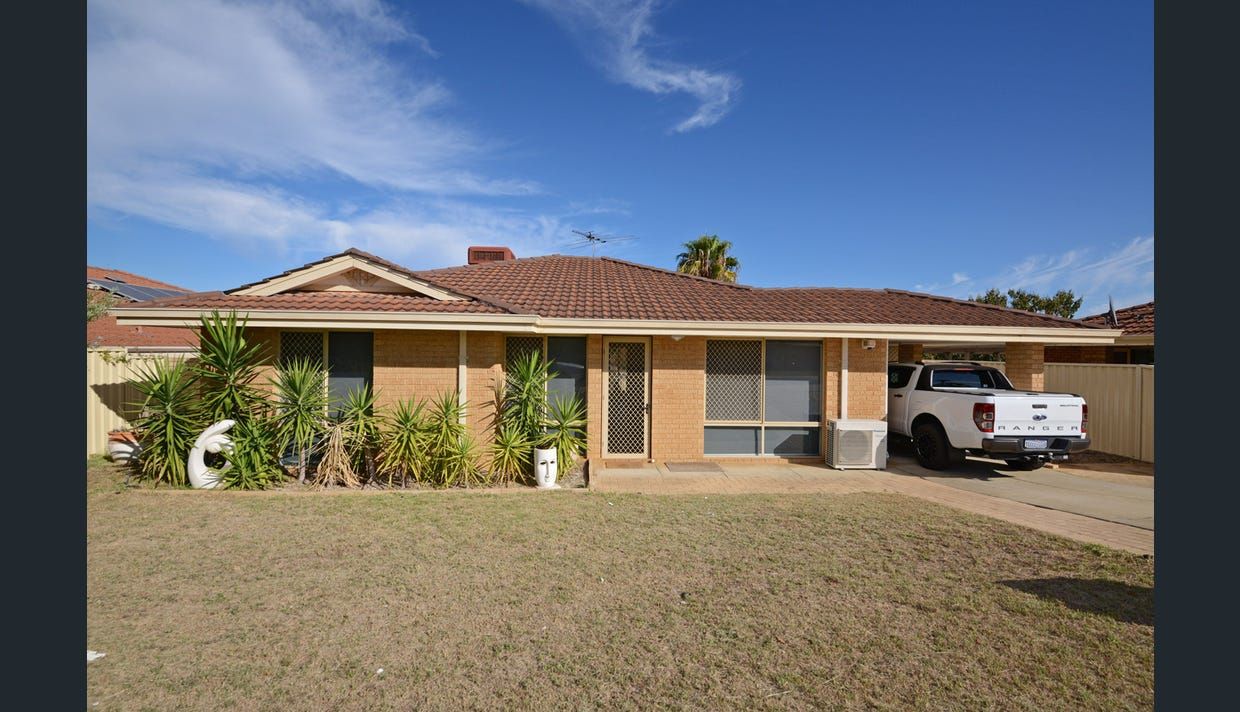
212,440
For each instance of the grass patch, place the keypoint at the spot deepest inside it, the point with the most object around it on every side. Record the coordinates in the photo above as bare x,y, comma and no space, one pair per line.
210,600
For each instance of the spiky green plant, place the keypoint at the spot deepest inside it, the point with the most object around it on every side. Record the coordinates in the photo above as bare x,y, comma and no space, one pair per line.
510,454
362,429
403,440
444,431
565,430
168,420
255,455
525,394
227,368
459,464
300,388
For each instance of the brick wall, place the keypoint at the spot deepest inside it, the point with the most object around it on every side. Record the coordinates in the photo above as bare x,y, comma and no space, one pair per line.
414,364
594,396
484,357
270,341
678,390
867,380
1077,354
1024,366
908,353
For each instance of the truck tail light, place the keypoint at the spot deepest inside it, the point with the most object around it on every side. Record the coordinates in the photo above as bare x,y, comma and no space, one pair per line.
1084,418
984,417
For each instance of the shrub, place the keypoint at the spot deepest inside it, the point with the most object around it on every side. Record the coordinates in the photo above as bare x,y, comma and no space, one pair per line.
525,395
336,467
403,441
565,430
168,421
510,454
301,409
226,368
361,430
255,454
444,432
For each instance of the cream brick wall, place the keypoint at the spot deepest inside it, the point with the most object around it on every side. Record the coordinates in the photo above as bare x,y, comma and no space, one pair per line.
867,380
594,396
1024,366
908,353
270,341
678,405
484,358
414,364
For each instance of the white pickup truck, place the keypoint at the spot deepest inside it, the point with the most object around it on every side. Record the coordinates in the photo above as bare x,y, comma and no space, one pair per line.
949,409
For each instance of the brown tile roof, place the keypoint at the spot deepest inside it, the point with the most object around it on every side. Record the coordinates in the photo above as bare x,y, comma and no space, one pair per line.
104,331
320,301
1137,319
563,286
120,275
606,288
405,271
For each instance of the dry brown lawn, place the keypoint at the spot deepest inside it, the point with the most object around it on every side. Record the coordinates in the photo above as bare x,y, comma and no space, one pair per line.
288,600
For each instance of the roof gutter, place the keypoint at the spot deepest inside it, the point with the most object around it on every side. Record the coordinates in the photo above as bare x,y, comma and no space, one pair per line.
525,323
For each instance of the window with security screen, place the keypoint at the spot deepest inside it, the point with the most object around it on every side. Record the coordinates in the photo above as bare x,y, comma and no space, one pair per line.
519,347
763,397
301,344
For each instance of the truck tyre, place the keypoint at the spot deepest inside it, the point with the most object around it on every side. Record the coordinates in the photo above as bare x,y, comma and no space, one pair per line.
933,450
1026,465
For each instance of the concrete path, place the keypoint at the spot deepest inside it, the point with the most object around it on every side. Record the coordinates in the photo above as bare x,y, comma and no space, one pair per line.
656,478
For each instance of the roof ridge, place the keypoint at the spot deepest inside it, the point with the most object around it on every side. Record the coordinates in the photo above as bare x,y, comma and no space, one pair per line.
652,268
970,302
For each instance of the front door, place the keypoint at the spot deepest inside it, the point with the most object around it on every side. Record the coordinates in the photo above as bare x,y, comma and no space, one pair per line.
350,363
626,406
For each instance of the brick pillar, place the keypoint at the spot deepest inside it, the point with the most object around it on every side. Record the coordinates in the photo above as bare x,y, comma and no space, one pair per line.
594,397
910,353
1024,366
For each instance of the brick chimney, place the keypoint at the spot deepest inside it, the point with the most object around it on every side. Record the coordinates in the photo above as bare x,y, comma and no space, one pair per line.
479,254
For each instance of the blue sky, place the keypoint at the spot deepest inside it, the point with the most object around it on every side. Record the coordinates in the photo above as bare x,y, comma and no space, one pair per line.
942,147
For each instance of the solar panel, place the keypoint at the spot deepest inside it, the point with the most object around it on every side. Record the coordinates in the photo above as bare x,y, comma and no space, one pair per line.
134,292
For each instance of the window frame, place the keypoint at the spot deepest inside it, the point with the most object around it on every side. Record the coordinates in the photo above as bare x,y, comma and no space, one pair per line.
763,423
325,334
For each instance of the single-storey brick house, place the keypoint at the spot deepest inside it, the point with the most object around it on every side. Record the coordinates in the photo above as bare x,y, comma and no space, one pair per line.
672,367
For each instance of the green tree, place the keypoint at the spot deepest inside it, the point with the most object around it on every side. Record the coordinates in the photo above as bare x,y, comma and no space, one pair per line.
98,304
707,256
1062,303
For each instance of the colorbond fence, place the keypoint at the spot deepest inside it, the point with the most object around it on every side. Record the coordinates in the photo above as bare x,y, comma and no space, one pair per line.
109,395
1121,404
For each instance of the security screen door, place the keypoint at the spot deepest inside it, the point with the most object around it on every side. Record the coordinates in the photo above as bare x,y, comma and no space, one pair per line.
627,408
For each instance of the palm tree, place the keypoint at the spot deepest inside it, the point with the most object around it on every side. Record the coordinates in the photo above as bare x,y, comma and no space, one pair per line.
708,257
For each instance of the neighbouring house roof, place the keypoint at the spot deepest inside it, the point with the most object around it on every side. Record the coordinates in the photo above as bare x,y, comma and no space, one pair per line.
105,332
560,292
1137,319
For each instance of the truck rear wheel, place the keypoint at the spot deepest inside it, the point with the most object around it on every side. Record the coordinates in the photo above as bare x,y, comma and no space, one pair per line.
933,450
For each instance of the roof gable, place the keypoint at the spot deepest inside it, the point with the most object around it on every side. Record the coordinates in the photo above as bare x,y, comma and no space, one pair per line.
348,271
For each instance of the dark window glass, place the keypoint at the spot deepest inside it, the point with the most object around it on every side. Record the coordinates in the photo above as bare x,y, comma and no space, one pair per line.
898,376
791,441
730,440
1142,356
968,378
567,355
793,381
350,364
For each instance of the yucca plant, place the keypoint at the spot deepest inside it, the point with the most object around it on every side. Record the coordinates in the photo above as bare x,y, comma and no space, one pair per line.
301,408
227,368
255,455
565,430
460,465
403,440
336,466
168,420
361,429
525,394
444,431
510,454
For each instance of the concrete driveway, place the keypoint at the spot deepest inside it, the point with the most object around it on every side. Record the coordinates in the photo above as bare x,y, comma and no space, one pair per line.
1109,494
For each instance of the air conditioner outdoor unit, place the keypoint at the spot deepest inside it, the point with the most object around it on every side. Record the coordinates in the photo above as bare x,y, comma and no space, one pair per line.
857,444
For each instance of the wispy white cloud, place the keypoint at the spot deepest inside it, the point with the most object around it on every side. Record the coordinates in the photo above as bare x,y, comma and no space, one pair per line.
1125,272
284,128
617,34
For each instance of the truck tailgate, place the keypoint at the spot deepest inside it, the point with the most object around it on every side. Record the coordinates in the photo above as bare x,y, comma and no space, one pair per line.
1049,414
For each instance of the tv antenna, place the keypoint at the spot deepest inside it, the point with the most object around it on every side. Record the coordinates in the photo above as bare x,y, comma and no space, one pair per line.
594,240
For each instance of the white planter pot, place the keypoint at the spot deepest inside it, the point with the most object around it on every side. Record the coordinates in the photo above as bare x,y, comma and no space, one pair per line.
121,451
545,468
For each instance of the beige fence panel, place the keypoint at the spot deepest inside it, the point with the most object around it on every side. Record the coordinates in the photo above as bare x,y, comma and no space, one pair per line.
1121,404
108,393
